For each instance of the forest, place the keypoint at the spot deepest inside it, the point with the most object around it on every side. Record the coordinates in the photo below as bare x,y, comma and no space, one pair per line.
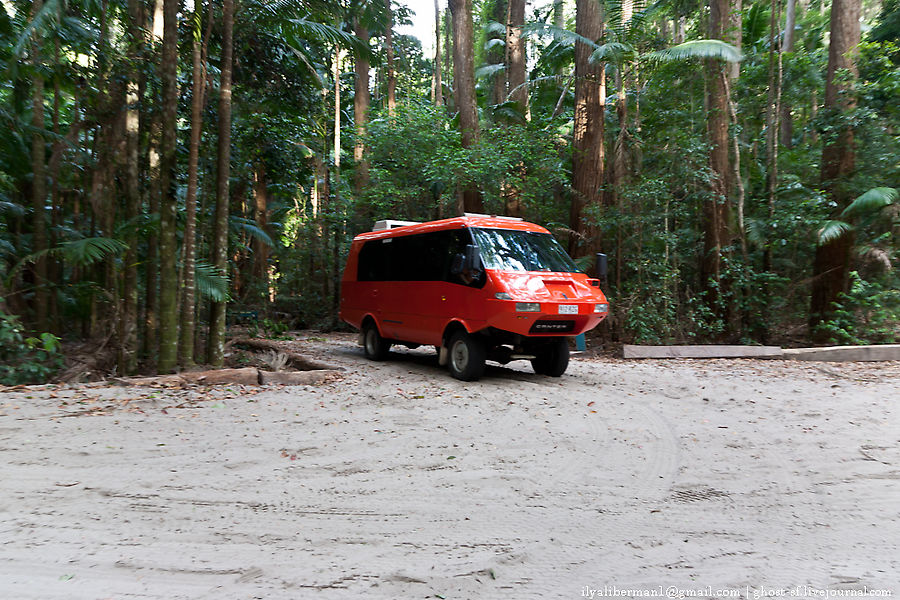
169,169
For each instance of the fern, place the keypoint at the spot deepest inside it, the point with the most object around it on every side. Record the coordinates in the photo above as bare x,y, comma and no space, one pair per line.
871,202
833,230
212,283
697,49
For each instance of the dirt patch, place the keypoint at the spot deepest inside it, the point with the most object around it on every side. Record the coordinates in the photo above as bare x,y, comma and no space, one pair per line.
401,482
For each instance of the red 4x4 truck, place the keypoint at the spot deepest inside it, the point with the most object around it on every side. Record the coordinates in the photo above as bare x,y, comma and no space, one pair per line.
475,287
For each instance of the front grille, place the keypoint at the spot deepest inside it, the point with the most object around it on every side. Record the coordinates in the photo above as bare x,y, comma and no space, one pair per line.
547,326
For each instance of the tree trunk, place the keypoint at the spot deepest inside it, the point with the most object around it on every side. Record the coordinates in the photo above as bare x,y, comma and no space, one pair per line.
437,86
717,234
261,216
515,44
588,151
497,56
220,232
151,313
389,49
464,89
773,97
361,101
559,17
128,341
189,247
787,45
831,266
39,182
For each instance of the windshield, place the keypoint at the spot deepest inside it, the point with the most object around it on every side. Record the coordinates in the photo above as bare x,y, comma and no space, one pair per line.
509,250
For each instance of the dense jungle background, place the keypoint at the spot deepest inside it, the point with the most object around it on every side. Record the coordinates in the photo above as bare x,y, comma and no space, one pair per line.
169,169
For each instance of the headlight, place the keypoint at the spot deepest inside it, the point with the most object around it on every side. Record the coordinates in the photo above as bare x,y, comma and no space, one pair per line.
502,296
601,308
528,307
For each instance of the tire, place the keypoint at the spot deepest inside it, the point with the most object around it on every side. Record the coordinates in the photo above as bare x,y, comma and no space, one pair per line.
467,356
552,359
375,346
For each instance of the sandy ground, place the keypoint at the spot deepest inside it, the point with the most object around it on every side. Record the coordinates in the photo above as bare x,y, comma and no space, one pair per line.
743,478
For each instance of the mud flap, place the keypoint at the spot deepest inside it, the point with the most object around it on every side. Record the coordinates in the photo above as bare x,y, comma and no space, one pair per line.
443,356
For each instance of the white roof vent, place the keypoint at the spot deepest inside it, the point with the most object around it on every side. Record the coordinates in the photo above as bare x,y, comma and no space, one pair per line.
391,224
493,216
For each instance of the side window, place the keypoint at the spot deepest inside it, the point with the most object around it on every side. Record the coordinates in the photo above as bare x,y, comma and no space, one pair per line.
457,241
373,261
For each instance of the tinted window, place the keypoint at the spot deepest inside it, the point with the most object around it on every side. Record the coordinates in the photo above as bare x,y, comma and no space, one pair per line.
422,257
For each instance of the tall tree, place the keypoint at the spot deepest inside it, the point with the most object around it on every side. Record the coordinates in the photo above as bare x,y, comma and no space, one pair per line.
515,47
787,45
189,248
39,177
464,90
717,208
437,85
831,266
168,273
361,101
588,150
216,348
128,319
389,50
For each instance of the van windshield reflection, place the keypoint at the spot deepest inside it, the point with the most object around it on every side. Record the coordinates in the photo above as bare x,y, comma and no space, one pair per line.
510,250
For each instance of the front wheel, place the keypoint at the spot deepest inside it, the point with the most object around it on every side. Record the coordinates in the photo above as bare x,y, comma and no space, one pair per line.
552,359
375,346
467,356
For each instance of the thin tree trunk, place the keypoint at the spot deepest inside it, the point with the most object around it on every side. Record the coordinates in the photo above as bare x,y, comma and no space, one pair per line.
389,49
498,56
168,274
261,216
437,85
128,341
787,45
515,44
220,232
464,89
832,261
772,111
361,101
39,182
151,314
448,54
588,150
189,247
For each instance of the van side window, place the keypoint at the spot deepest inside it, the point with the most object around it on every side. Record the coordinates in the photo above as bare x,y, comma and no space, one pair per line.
373,261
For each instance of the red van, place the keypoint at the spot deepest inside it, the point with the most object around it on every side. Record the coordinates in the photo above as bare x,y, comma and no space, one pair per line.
476,287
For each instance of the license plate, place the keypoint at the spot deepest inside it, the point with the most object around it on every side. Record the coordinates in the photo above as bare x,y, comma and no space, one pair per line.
568,309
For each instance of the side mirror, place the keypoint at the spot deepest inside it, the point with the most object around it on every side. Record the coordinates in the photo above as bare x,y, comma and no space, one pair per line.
602,266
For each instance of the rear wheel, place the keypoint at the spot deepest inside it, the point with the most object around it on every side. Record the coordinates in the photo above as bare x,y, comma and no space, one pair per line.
375,346
467,356
552,359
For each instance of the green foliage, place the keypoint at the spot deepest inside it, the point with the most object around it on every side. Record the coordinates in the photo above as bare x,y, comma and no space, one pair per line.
26,359
868,314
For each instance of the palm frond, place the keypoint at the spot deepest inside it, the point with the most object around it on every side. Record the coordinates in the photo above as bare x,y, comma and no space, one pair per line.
494,43
833,230
489,70
40,24
871,202
250,227
87,251
560,34
212,283
306,29
697,49
495,27
616,52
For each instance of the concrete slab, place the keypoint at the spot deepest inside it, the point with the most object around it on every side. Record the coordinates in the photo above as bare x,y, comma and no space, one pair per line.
701,351
846,353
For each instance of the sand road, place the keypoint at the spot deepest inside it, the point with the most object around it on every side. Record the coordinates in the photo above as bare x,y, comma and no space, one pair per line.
717,478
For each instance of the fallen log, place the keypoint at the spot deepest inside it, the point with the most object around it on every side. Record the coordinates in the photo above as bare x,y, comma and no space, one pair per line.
244,376
317,377
298,361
